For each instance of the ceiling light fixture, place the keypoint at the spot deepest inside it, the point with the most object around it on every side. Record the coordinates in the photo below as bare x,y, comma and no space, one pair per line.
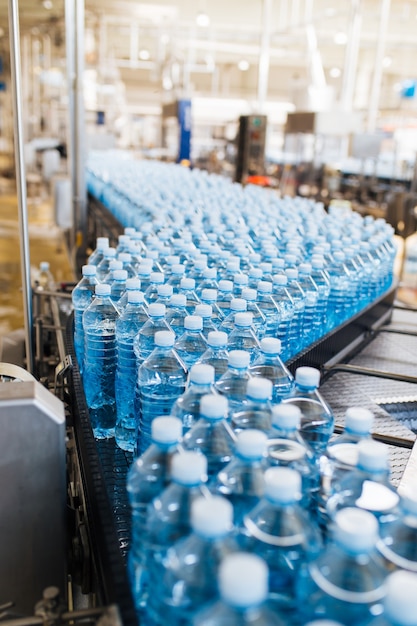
340,38
202,20
144,55
243,65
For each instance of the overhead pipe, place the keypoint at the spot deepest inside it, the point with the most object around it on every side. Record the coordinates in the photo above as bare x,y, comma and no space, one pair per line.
16,74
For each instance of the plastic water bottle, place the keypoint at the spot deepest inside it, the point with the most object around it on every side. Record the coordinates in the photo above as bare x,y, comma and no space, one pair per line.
317,420
233,383
144,272
209,281
127,326
268,364
211,434
118,286
114,266
45,280
398,536
132,284
280,532
255,275
103,267
340,295
287,448
191,567
205,311
144,341
100,360
82,295
224,296
256,413
151,293
177,274
126,259
400,602
367,486
269,308
148,476
187,287
298,297
258,318
243,336
286,306
209,296
187,406
311,320
216,353
242,479
240,282
243,587
321,279
102,243
176,313
192,344
165,292
161,380
169,517
237,305
347,580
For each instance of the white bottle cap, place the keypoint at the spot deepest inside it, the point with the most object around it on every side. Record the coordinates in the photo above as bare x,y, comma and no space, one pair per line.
217,338
204,310
282,485
271,345
304,268
103,289
144,269
189,468
255,272
241,279
129,230
225,286
178,299
165,290
164,338
291,273
280,279
123,238
249,294
89,270
202,374
290,258
178,269
359,420
193,322
102,243
372,456
356,529
187,283
109,253
125,257
239,359
209,294
133,284
238,304
251,443
146,264
157,277
166,429
210,272
400,602
120,275
211,516
233,265
173,259
244,319
214,407
135,297
338,255
264,286
44,266
286,416
156,309
259,388
307,377
243,580
115,264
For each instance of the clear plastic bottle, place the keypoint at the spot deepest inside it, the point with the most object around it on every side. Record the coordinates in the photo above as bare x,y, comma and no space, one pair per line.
144,342
224,296
128,325
169,516
237,305
233,383
269,308
398,537
256,413
103,267
200,383
165,292
114,266
400,602
209,281
268,364
177,274
205,311
240,282
126,259
258,318
45,280
216,353
323,285
243,587
192,344
102,243
176,313
155,279
191,567
281,532
100,360
339,300
144,272
286,306
242,479
118,286
211,435
161,380
187,287
82,295
209,296
317,420
148,476
243,336
298,297
347,580
132,284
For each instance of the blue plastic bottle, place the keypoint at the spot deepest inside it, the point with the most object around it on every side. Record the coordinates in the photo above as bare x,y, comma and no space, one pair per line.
317,420
243,587
281,532
127,326
268,364
161,380
100,360
102,243
258,318
144,272
242,479
176,313
114,265
346,582
82,295
148,476
323,285
243,336
209,296
189,578
211,435
126,259
400,602
224,296
205,311
200,383
169,517
165,292
144,341
118,286
192,344
187,287
103,267
237,305
256,413
298,297
151,293
398,536
132,284
177,274
340,300
216,353
269,308
209,281
233,383
240,282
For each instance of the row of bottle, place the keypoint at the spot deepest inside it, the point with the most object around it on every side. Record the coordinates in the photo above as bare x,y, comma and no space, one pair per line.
190,512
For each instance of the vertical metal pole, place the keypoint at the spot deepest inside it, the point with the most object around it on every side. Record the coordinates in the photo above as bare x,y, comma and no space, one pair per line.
351,57
80,197
263,67
70,64
378,67
21,178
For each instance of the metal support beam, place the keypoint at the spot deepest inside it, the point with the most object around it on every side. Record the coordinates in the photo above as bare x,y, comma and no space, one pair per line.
16,74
